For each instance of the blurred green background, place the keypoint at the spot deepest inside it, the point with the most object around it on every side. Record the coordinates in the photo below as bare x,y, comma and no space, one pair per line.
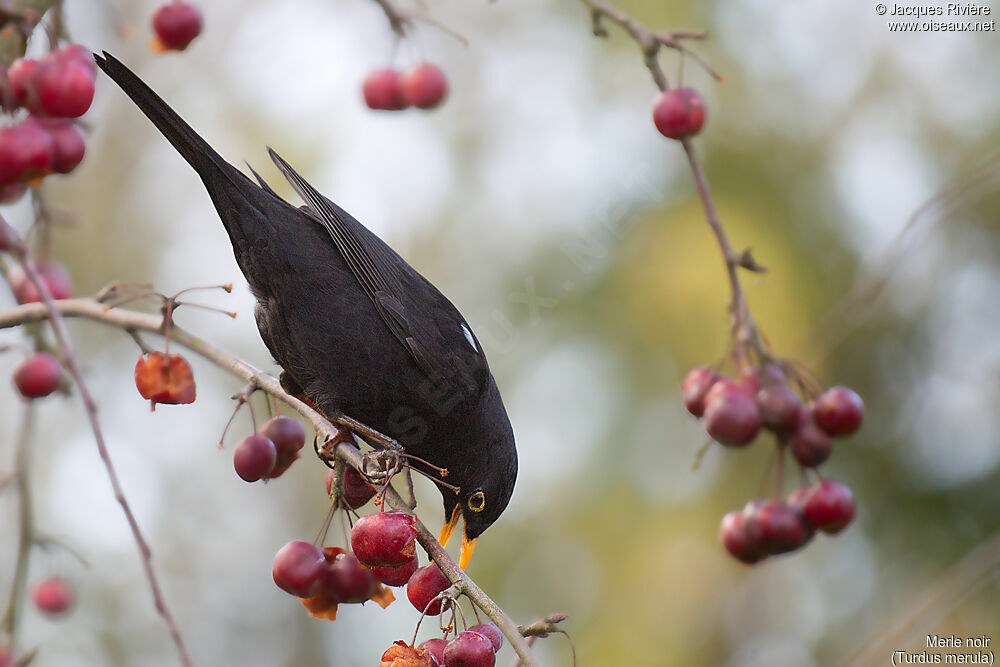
541,199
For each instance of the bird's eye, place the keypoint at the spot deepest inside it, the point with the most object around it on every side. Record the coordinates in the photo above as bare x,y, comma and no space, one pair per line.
477,501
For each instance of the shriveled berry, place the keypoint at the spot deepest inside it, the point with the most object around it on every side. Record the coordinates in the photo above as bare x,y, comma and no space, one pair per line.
297,568
491,632
733,535
349,581
469,649
839,411
401,654
775,527
37,376
779,407
425,86
383,90
176,24
396,576
826,505
731,417
436,648
696,385
810,445
425,585
254,458
53,596
384,539
679,113
55,277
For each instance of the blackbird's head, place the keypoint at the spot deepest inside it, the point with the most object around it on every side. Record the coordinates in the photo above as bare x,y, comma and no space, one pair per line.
485,487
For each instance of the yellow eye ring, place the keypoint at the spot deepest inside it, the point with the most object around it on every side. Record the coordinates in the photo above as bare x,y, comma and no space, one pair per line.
477,501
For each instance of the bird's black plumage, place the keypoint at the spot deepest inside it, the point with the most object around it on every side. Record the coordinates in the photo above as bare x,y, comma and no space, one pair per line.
354,327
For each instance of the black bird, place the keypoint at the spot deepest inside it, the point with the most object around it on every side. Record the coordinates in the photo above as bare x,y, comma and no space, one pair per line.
354,327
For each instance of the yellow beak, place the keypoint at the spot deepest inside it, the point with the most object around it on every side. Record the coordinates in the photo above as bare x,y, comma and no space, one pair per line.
448,528
468,546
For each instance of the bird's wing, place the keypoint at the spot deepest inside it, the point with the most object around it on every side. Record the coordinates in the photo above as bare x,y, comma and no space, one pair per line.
368,264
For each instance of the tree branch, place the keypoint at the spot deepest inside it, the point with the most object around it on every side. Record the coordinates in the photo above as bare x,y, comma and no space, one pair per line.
132,321
26,523
51,312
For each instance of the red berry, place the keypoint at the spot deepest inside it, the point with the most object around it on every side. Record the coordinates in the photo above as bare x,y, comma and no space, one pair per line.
436,648
776,527
65,89
288,436
20,74
53,596
297,568
827,505
76,53
679,113
839,411
755,377
733,535
696,385
779,407
491,632
384,538
425,585
254,458
7,656
68,145
810,445
396,576
357,490
55,276
9,194
383,89
425,86
469,649
176,24
349,581
26,152
37,376
731,415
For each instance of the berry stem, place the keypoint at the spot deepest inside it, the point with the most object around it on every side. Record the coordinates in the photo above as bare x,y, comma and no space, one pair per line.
25,525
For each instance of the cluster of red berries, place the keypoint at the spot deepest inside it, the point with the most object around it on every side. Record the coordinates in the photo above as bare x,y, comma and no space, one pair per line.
424,87
53,90
271,451
476,647
176,24
735,411
769,527
679,113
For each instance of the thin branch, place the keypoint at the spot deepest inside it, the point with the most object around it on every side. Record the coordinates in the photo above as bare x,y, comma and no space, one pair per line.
135,321
397,20
52,312
26,525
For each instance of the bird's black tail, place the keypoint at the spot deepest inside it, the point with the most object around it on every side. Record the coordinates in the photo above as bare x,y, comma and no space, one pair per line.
182,136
